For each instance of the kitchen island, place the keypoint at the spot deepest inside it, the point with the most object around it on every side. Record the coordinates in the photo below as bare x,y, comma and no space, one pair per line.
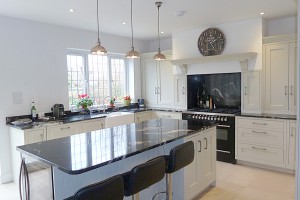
86,158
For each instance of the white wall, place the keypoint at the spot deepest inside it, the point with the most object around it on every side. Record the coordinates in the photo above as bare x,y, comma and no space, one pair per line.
241,36
165,44
33,64
280,26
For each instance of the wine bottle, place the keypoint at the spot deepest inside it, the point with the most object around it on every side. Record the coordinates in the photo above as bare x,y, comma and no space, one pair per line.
207,102
33,110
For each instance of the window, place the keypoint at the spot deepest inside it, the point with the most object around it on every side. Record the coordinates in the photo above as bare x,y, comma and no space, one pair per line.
96,75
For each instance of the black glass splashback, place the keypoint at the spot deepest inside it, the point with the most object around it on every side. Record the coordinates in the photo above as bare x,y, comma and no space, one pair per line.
225,90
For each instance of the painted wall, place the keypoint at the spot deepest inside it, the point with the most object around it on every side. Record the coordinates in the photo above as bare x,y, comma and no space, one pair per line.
237,41
33,65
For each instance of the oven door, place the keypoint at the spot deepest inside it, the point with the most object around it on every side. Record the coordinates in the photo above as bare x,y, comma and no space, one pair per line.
225,143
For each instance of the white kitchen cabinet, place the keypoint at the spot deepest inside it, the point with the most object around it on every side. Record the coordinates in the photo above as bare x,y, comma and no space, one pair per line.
120,118
63,130
291,158
251,96
143,116
166,114
261,141
92,125
157,82
180,91
202,171
280,76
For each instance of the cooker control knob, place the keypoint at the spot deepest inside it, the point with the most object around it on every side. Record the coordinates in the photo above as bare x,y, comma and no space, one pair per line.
222,119
218,118
205,117
193,117
197,116
215,118
225,119
202,116
208,118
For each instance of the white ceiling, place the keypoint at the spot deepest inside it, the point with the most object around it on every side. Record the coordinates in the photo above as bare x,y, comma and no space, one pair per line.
199,13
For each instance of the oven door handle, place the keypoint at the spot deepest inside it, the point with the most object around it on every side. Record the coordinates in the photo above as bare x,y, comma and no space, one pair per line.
224,126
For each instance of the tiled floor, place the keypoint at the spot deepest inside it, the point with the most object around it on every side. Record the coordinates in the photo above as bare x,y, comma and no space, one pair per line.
237,182
234,182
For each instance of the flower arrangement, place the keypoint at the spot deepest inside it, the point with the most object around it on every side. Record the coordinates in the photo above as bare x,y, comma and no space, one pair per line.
127,100
84,101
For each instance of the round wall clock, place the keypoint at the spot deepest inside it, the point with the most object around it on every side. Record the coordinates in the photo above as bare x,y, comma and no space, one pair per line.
211,42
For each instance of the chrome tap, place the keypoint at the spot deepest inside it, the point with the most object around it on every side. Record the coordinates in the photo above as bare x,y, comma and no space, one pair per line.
103,102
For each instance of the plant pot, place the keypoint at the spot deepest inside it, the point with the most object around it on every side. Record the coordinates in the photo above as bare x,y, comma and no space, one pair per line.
127,102
111,105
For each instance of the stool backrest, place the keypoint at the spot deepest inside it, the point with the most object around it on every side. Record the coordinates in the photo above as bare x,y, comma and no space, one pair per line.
109,189
180,156
144,175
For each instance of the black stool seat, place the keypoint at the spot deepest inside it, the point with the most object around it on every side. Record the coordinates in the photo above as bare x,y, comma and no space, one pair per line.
179,157
109,189
144,175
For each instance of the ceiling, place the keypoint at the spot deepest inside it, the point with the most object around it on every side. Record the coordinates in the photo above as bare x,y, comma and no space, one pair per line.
198,13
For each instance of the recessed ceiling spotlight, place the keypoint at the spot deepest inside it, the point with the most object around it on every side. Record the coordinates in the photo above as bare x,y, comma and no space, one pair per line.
162,32
179,13
71,10
262,13
124,23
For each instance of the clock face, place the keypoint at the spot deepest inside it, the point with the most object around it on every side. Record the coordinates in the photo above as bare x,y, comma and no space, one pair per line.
211,42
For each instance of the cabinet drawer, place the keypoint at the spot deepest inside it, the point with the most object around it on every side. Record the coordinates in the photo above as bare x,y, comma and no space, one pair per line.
171,115
261,154
261,136
261,123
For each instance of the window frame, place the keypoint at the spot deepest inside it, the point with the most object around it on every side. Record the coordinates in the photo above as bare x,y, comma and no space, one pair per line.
84,54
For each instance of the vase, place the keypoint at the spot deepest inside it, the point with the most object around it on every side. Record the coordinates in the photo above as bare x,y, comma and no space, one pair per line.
85,110
127,102
111,105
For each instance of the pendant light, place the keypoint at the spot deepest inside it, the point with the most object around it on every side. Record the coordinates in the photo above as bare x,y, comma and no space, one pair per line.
132,53
159,55
98,49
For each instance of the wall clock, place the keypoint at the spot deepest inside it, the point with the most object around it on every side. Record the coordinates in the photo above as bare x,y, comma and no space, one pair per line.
211,42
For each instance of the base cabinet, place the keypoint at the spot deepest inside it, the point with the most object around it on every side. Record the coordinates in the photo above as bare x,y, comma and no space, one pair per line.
202,171
143,116
63,130
291,158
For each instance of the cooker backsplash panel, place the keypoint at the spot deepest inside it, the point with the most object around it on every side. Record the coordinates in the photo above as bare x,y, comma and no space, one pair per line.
225,90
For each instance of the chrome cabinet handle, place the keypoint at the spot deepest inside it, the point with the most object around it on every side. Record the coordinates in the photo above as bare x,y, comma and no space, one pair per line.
245,90
259,123
291,93
183,90
64,128
158,90
155,91
200,146
257,148
165,116
285,91
259,132
205,143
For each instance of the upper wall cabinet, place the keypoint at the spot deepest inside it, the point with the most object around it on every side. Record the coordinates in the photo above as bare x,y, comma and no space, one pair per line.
251,96
280,77
180,91
157,82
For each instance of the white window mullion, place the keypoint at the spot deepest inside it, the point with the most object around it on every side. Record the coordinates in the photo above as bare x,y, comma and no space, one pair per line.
109,76
86,74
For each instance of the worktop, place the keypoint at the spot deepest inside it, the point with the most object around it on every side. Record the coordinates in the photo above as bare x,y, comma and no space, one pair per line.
128,140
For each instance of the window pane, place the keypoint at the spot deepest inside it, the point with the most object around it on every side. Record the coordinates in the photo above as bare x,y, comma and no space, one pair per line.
98,78
118,83
75,77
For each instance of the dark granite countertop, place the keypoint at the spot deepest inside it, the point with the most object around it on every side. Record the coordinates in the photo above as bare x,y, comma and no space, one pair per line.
271,116
83,152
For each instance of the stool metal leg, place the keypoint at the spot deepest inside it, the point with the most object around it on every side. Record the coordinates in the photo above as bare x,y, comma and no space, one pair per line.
169,187
136,196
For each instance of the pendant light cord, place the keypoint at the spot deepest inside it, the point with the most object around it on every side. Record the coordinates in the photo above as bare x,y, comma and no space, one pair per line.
131,27
158,5
98,21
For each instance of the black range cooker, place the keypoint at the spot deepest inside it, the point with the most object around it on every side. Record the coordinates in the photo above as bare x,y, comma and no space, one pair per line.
225,129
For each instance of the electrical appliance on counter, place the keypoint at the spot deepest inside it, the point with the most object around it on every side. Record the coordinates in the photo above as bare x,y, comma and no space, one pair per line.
58,111
141,103
216,98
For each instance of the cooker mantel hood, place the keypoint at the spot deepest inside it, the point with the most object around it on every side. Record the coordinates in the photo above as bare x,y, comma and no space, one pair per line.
241,57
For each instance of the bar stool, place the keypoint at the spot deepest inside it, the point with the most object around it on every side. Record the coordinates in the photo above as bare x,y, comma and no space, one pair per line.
109,189
143,176
179,157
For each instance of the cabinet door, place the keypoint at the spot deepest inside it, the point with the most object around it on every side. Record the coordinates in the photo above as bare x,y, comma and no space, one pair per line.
251,90
62,130
35,135
92,125
180,91
293,77
291,145
277,74
143,116
150,82
209,157
165,83
193,179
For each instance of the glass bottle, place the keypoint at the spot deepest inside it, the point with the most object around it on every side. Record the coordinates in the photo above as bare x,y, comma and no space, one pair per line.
33,110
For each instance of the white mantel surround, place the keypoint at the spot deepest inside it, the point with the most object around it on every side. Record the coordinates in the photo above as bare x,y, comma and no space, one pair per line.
241,37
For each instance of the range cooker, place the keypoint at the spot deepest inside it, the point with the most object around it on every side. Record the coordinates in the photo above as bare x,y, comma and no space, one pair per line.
225,129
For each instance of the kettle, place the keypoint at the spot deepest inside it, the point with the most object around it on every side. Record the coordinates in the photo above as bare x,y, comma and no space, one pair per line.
58,111
141,103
